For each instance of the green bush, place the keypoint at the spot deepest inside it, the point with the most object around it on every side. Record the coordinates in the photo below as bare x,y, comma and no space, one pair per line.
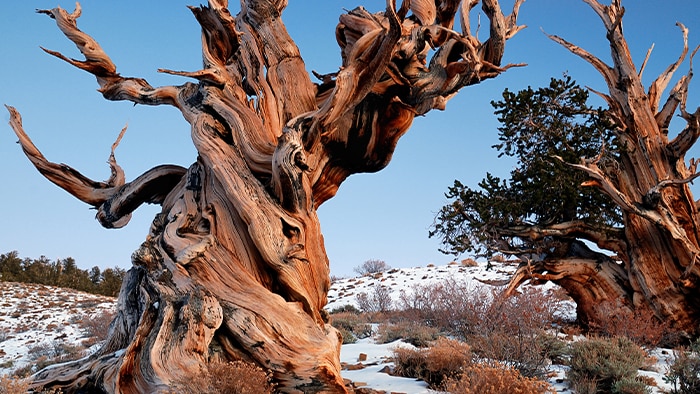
598,364
630,386
345,308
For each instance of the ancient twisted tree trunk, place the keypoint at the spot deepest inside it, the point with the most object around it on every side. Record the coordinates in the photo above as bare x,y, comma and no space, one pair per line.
234,266
656,251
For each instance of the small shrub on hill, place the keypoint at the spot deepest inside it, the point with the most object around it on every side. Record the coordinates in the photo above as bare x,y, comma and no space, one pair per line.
45,354
509,329
451,305
345,308
598,364
513,330
631,386
96,326
378,300
10,385
372,267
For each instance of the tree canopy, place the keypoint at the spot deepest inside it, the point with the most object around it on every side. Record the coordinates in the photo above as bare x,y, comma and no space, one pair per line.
599,201
60,273
542,130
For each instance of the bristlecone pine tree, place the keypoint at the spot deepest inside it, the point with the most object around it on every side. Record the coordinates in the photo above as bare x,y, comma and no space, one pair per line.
234,266
646,228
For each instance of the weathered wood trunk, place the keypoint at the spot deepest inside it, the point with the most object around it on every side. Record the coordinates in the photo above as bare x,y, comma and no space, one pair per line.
656,250
234,266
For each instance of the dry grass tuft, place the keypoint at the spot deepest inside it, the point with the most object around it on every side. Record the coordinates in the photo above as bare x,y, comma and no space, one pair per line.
494,379
224,378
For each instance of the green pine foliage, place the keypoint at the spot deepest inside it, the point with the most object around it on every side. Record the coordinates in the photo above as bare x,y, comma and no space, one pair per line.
60,273
541,130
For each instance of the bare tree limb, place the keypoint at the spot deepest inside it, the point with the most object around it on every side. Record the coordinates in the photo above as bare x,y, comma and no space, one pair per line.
686,138
112,85
659,85
608,238
115,199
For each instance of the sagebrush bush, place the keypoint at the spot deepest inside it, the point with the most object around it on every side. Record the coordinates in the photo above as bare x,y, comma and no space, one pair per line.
345,308
49,353
684,372
494,379
630,386
13,385
415,333
352,326
444,359
449,305
224,378
372,267
604,361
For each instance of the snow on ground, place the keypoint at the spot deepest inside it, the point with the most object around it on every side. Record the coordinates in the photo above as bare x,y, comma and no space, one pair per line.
344,291
32,315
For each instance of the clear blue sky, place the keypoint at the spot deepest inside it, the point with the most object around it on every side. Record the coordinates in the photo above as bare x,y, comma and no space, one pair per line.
374,216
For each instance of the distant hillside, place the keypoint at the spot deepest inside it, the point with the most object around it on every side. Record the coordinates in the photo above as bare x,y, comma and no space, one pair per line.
61,273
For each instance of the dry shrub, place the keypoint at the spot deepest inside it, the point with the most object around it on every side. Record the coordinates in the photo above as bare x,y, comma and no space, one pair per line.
631,386
494,379
372,267
415,333
445,359
604,361
223,378
509,329
513,330
45,354
469,262
641,326
14,385
450,305
378,300
10,385
684,372
97,325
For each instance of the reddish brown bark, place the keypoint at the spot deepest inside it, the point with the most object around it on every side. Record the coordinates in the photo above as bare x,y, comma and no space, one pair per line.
654,263
234,266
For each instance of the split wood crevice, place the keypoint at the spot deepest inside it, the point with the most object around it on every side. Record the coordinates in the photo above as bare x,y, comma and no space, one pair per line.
234,266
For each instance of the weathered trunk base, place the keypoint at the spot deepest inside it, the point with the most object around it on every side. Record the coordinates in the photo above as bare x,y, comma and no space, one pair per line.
234,266
183,328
